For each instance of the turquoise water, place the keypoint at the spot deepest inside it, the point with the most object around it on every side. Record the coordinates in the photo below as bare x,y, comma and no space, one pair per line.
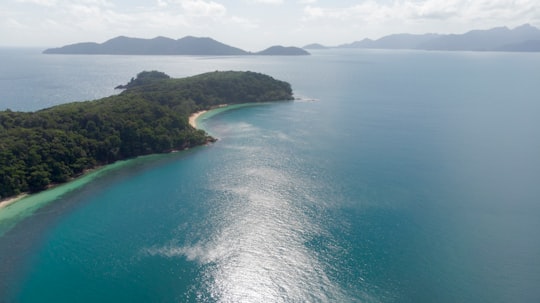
407,177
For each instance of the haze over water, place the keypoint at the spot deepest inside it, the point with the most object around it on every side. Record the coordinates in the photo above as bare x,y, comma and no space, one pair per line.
407,177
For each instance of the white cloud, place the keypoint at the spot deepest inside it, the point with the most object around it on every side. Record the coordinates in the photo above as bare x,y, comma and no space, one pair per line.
40,2
93,18
314,12
13,24
201,8
443,10
267,1
330,22
245,23
95,2
102,20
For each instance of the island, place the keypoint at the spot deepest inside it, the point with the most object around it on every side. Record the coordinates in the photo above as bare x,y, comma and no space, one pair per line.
150,115
314,46
278,50
189,45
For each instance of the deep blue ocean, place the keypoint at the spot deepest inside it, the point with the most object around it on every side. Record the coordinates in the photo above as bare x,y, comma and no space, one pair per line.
399,176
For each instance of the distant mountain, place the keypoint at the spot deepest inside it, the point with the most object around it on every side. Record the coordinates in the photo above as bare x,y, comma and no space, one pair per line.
315,46
166,46
522,38
279,50
483,40
156,46
526,46
398,41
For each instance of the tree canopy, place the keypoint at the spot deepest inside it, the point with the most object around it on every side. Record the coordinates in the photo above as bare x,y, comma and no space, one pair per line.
151,115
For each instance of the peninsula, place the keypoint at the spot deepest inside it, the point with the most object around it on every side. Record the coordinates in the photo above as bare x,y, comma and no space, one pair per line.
151,115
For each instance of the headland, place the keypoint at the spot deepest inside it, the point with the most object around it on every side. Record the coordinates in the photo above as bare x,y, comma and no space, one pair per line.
154,114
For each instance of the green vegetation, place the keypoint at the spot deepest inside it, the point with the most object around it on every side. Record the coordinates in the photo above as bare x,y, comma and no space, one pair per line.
151,116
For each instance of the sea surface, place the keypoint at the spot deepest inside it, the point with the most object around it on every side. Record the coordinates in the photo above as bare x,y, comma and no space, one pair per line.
398,176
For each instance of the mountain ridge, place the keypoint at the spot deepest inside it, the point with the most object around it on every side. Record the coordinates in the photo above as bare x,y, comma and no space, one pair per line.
524,38
188,45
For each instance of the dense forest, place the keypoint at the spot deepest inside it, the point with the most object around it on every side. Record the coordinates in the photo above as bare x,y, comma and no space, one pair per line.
150,116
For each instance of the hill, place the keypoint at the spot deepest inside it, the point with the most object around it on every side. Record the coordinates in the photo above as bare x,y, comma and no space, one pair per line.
314,46
194,46
279,50
150,116
398,41
157,46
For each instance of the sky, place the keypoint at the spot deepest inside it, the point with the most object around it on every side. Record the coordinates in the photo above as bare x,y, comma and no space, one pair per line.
251,24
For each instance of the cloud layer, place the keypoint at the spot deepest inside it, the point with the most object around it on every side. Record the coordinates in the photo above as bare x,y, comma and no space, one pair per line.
251,23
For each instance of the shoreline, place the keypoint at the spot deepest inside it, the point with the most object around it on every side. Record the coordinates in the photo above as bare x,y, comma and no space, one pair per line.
196,115
14,199
193,117
11,200
15,208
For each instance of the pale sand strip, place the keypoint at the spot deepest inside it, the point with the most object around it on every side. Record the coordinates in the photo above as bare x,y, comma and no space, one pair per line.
9,201
194,116
21,207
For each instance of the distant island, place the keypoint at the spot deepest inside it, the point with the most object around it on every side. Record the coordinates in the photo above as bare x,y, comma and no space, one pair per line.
279,50
525,38
194,46
56,144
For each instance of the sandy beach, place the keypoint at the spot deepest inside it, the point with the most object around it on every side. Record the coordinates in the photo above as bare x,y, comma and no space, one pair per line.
9,201
194,116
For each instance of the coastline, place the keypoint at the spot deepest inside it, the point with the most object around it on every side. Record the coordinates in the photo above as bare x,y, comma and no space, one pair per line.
196,119
8,201
16,208
193,117
14,199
